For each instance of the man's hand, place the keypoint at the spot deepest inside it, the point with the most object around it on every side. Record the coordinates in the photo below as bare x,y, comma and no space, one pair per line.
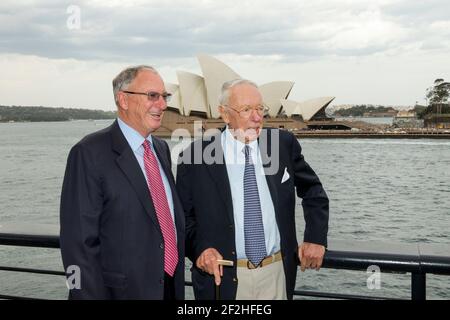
310,255
207,262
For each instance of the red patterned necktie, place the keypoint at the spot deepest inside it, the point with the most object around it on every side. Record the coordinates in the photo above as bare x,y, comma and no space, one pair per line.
158,194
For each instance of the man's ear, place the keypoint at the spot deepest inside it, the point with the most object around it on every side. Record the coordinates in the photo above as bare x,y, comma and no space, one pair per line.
224,114
122,99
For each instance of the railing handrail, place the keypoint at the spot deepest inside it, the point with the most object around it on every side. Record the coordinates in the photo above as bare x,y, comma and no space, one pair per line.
417,259
340,254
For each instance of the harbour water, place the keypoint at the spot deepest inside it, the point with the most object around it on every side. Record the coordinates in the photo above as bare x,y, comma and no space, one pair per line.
380,190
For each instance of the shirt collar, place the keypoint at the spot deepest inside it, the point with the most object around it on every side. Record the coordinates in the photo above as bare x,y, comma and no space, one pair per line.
234,144
134,138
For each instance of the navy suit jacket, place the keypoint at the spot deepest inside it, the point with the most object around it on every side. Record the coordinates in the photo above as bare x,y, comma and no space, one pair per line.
109,227
205,192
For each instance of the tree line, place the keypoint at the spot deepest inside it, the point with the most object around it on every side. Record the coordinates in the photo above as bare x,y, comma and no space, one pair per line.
360,110
38,113
437,95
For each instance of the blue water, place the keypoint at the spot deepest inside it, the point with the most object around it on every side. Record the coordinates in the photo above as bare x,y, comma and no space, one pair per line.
380,190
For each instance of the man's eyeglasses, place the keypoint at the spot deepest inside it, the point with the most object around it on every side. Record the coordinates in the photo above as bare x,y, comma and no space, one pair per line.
246,111
152,96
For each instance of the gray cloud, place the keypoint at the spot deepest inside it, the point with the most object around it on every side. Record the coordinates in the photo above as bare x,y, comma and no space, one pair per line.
114,32
365,51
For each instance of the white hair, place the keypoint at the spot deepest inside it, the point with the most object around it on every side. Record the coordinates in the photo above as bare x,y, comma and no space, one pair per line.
224,97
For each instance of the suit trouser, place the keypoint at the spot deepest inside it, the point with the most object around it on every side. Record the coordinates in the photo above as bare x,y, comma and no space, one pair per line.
266,283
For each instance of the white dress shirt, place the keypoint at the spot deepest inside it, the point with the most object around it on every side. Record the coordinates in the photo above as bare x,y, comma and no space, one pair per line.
235,163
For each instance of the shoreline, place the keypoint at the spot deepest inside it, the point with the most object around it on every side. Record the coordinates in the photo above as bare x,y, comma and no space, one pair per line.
377,135
355,135
313,134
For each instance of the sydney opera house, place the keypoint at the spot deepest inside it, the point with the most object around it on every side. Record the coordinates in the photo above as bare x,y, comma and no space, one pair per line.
196,99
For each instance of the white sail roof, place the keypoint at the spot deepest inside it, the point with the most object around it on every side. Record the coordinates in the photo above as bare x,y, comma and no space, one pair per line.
272,92
201,94
307,109
193,93
215,73
175,101
289,107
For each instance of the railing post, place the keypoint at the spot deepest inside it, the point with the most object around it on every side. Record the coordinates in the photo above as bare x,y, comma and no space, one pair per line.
418,286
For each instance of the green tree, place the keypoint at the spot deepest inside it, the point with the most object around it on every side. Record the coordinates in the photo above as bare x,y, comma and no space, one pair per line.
420,111
439,92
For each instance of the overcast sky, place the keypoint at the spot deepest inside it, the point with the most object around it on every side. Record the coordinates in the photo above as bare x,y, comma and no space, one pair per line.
379,52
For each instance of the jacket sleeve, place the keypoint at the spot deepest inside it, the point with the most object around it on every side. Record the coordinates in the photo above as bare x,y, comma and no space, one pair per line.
186,180
80,212
184,188
315,201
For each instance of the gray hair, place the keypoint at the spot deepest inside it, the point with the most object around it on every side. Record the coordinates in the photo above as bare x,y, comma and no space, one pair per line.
126,76
224,97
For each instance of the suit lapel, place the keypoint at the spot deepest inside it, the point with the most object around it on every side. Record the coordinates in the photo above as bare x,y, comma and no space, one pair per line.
219,175
128,164
265,147
162,157
166,165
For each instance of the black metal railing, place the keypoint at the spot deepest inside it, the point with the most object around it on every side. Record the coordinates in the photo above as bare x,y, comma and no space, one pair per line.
417,259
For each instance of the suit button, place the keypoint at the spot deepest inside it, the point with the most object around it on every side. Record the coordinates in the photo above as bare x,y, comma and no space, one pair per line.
161,281
230,226
161,245
234,280
233,253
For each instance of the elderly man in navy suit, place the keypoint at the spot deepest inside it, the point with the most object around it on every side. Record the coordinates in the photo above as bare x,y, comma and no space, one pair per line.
239,202
122,223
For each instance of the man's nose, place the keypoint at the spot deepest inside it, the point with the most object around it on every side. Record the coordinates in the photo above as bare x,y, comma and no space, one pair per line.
255,116
161,103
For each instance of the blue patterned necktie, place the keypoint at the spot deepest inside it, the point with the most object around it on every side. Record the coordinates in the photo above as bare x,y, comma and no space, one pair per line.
255,245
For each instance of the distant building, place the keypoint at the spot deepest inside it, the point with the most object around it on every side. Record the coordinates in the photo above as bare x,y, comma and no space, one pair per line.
196,99
196,95
406,114
441,121
438,116
407,119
